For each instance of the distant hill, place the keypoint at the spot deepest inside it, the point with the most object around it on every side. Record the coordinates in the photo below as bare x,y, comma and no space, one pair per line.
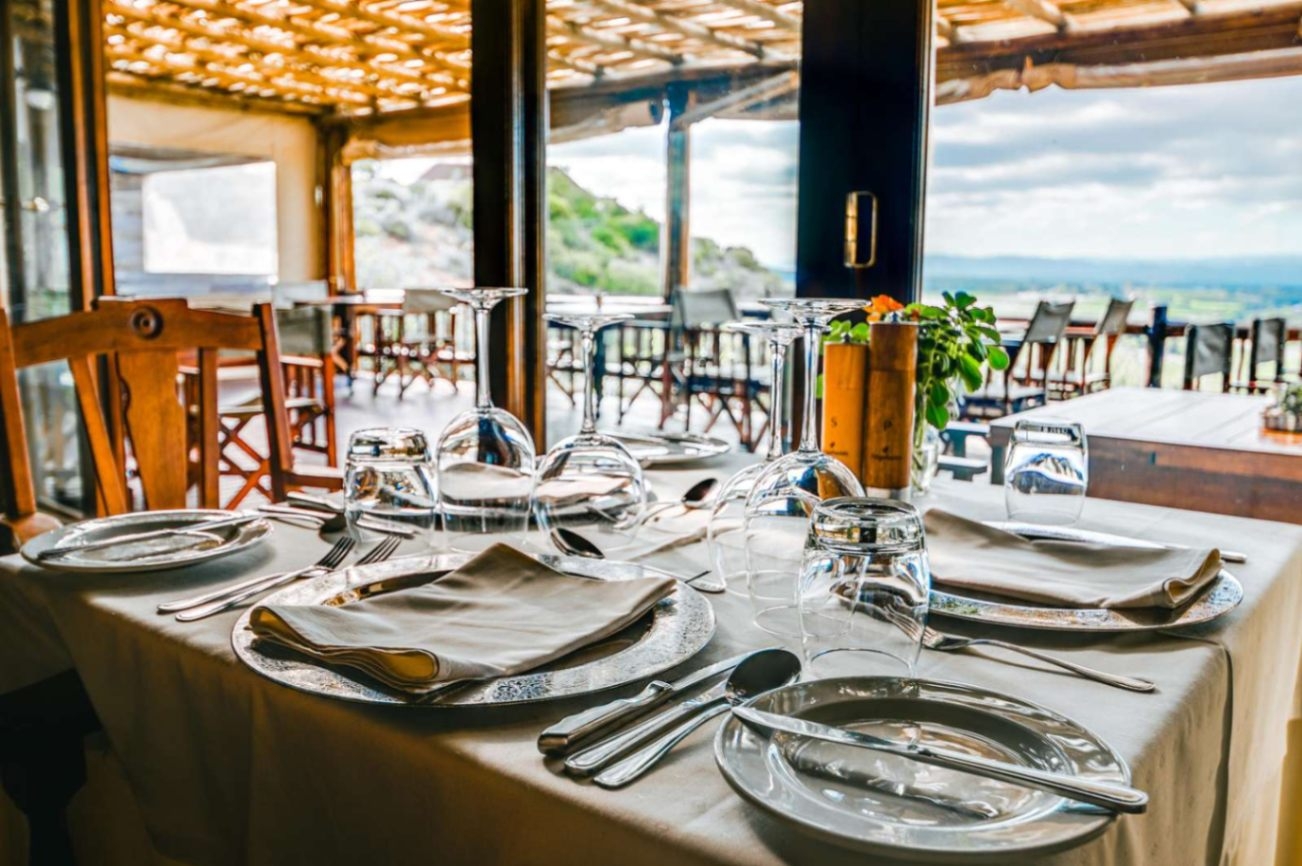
420,234
1194,273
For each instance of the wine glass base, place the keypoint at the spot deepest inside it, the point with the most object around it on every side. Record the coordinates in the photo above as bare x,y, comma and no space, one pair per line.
779,620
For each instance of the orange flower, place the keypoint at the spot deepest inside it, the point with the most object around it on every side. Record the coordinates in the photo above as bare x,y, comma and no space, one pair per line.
882,306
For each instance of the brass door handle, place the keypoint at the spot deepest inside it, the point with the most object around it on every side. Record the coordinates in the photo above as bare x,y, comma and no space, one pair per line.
860,206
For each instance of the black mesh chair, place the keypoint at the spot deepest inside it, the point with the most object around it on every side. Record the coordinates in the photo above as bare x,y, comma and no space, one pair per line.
1083,373
1269,337
1208,352
1010,391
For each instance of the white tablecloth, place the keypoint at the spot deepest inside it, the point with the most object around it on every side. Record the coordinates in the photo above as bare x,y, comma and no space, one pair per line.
230,768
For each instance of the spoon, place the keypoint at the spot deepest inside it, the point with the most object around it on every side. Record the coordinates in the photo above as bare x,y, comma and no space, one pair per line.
760,673
765,669
571,543
697,496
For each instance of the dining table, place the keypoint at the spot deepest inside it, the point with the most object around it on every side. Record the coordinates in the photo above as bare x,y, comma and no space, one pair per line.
224,766
1201,450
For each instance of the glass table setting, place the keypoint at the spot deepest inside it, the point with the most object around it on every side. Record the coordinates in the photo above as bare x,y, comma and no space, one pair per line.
981,676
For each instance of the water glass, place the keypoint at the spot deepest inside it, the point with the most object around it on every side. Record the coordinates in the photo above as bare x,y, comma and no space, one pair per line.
388,480
1046,472
864,588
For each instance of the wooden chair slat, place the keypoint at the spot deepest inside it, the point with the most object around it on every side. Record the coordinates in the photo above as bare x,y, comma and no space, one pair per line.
110,479
156,424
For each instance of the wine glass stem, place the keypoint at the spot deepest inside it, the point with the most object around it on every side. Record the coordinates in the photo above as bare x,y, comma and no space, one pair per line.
777,362
589,381
483,397
808,433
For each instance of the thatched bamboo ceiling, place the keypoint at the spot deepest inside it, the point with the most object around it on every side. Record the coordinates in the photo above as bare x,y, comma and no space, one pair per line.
361,57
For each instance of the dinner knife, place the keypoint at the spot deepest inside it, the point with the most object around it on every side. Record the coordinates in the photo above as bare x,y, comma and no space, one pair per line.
219,523
1108,795
582,727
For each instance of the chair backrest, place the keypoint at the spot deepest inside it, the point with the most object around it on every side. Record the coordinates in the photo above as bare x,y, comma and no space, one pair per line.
305,331
426,301
1115,318
140,341
283,295
1268,339
1208,350
1049,323
701,308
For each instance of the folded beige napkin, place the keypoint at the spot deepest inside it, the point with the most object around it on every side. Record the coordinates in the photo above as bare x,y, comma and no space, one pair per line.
967,553
573,491
501,613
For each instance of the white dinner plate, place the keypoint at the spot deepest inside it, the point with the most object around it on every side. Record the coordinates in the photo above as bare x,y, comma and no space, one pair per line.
672,449
122,560
890,806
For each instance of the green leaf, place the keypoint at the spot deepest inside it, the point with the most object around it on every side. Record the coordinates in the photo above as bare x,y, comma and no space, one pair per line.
969,369
859,333
818,387
963,300
939,393
937,415
998,358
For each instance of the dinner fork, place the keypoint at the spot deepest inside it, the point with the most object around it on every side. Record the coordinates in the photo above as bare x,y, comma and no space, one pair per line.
934,640
379,553
332,558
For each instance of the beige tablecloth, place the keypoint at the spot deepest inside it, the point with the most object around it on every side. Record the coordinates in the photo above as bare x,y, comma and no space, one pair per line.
230,768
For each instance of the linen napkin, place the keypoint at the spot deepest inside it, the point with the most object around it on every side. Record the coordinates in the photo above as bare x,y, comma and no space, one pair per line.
969,554
501,613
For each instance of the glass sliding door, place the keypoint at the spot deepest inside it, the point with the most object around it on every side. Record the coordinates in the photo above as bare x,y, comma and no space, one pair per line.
37,265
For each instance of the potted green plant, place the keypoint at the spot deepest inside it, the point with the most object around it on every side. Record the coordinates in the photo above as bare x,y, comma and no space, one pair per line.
957,342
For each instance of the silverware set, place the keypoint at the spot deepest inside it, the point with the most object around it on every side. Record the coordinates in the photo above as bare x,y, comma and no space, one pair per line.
615,759
223,598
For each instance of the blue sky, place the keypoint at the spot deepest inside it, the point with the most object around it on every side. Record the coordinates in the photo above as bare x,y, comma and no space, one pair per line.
1173,172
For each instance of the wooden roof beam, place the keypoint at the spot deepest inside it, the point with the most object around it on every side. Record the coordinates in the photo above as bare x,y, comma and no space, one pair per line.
763,10
686,27
165,89
232,80
384,18
308,55
616,41
364,89
1044,10
763,91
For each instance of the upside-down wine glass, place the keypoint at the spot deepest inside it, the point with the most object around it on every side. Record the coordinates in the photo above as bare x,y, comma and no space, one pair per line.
724,541
485,456
786,491
589,478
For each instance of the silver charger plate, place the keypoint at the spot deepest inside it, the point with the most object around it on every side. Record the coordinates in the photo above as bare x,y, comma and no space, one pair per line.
1220,597
234,539
672,449
677,628
849,796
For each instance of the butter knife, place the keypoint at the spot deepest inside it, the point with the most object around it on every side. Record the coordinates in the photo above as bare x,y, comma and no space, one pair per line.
1108,795
219,523
573,731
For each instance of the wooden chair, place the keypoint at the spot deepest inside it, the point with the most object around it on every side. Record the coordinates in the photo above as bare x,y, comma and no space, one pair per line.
1269,337
1208,352
306,342
141,341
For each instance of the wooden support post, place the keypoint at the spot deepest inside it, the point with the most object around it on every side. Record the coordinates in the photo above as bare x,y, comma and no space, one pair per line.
676,245
83,131
15,280
1156,345
335,179
508,121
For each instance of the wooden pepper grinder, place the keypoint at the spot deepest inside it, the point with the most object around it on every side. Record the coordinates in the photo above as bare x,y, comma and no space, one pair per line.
888,425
